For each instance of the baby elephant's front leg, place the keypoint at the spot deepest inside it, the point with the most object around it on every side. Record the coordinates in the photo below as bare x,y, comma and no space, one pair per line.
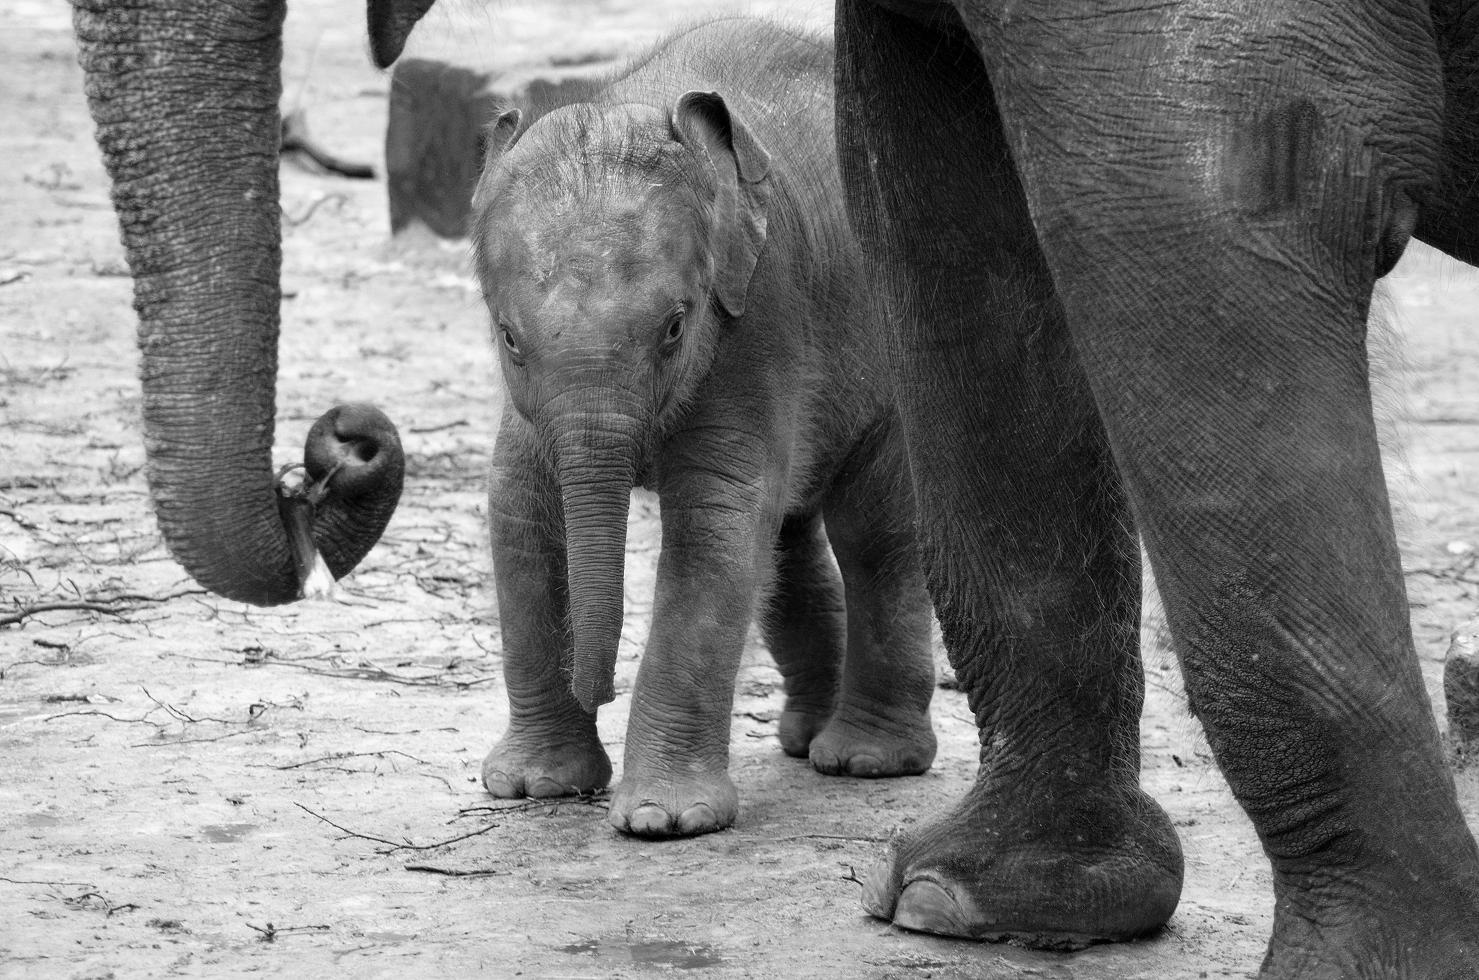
676,773
551,747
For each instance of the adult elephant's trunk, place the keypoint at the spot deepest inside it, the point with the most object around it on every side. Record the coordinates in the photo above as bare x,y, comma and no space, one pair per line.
595,460
185,97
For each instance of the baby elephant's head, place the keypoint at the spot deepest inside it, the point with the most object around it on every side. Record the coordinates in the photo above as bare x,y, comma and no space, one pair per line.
615,246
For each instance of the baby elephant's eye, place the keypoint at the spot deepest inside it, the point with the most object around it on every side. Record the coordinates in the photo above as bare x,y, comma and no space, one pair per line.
675,327
507,337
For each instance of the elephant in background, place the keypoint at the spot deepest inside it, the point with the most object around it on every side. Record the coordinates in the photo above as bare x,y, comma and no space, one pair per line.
434,138
1131,249
433,144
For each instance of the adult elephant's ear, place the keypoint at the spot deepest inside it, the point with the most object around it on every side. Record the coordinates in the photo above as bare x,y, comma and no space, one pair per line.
703,122
390,23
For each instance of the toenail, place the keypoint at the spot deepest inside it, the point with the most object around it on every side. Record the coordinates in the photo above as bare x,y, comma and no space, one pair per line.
500,785
649,819
926,906
878,891
864,765
697,819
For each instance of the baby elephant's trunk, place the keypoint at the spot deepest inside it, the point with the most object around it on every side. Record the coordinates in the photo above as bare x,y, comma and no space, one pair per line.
595,460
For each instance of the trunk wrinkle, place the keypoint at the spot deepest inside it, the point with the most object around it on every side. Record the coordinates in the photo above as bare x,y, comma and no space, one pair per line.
185,99
595,456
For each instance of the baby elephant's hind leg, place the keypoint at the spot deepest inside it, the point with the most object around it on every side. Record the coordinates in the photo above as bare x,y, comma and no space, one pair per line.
881,725
806,630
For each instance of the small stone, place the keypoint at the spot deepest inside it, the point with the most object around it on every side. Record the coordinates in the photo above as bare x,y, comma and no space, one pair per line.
1458,547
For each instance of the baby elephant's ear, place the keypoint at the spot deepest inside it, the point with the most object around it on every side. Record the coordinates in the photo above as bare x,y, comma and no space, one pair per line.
496,138
704,123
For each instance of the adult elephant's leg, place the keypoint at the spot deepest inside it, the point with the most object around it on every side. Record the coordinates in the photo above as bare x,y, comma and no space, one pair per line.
1215,196
805,627
1025,533
551,747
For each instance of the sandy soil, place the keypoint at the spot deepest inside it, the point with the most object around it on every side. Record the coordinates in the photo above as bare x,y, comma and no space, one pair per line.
196,787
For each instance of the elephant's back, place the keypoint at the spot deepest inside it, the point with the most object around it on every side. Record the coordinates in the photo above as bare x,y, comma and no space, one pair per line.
777,77
753,54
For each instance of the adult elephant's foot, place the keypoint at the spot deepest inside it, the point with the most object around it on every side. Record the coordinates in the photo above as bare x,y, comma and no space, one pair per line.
871,745
1045,870
520,766
1408,922
668,805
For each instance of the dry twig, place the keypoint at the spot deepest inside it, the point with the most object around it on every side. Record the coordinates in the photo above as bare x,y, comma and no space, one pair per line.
118,605
188,741
30,881
524,806
270,932
336,756
456,872
338,200
392,845
345,830
94,899
600,800
364,671
847,837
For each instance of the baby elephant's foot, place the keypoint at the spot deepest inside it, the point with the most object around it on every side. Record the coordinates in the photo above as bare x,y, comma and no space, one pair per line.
519,767
855,744
664,806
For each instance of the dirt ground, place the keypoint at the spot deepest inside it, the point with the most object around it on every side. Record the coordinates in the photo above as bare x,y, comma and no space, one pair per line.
191,786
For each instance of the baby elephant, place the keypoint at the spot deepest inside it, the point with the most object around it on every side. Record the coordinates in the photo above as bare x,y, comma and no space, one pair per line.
679,304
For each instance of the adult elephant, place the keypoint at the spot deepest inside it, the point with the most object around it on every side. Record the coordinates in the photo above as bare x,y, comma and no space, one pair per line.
1132,248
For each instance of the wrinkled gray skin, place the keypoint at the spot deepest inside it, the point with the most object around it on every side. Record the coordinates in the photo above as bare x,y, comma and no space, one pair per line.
1175,214
1132,248
679,304
185,98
